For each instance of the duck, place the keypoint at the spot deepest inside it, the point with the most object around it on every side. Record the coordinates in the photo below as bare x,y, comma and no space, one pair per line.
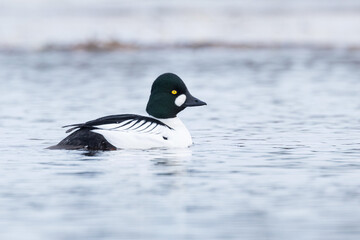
161,129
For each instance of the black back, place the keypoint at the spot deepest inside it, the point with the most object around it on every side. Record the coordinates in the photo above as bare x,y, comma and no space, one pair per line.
83,138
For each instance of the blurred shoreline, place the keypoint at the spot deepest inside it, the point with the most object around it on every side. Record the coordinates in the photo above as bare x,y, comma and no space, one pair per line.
115,46
109,25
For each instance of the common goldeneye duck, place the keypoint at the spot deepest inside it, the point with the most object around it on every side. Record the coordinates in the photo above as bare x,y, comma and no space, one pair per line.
169,96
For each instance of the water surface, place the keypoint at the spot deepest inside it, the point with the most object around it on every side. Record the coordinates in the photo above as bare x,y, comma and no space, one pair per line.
276,153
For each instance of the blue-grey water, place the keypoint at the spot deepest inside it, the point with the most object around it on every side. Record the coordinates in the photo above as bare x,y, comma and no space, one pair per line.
276,153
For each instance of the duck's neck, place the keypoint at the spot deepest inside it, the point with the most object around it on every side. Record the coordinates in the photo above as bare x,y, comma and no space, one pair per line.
174,123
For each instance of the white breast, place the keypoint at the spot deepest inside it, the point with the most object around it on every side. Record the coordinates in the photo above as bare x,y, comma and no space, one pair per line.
145,135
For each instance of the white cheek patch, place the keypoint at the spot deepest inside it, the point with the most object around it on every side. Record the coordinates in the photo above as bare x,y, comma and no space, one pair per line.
180,100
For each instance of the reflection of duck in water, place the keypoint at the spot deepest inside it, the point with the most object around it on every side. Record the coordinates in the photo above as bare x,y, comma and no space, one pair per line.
169,95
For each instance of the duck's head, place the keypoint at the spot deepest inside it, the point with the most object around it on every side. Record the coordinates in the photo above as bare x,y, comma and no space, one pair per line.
169,95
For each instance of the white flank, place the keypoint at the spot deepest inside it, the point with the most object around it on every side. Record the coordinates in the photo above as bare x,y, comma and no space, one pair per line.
180,100
161,136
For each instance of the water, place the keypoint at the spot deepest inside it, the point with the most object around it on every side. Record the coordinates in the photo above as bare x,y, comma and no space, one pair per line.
276,153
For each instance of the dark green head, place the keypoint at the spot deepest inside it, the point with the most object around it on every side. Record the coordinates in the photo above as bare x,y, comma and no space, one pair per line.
169,95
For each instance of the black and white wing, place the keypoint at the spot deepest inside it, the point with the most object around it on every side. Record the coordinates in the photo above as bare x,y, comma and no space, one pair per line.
124,122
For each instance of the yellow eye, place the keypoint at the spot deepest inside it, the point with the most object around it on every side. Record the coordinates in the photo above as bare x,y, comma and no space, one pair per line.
174,92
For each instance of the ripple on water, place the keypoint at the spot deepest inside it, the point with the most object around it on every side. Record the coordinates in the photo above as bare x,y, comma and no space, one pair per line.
275,156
